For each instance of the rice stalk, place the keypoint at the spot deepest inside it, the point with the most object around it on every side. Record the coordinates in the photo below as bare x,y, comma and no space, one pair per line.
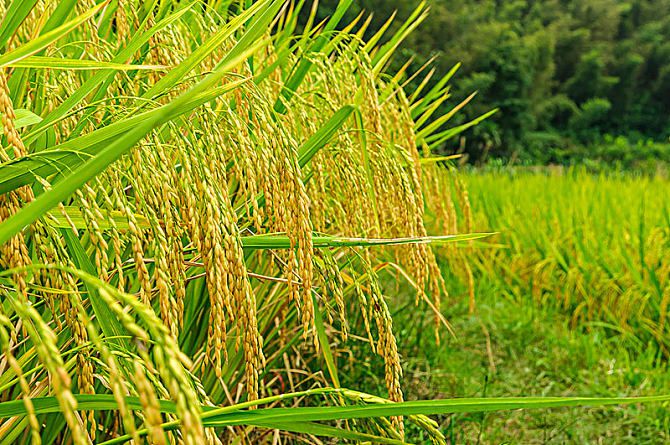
146,272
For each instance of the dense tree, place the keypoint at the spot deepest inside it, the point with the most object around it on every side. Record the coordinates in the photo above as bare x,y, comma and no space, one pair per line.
566,74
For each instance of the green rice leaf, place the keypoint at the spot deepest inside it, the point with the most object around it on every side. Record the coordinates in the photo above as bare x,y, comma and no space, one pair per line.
38,44
297,418
24,118
60,63
275,241
319,139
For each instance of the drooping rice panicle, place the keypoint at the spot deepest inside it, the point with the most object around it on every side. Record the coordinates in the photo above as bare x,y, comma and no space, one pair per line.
173,303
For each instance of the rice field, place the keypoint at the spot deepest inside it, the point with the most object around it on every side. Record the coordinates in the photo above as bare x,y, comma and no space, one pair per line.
569,300
595,247
211,218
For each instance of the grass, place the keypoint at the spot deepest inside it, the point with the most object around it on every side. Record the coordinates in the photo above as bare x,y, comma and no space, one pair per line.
536,353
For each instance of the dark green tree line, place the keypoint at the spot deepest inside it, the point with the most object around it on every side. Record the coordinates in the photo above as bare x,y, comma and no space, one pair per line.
569,76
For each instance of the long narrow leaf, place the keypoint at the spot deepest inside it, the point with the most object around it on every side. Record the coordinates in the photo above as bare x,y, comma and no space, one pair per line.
59,63
46,39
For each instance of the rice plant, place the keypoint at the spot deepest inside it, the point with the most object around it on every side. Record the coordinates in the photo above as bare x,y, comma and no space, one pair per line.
198,207
593,246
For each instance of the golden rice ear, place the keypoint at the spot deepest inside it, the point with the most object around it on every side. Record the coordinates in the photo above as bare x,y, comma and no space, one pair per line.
464,199
45,341
92,215
386,345
6,348
14,254
8,117
333,285
392,190
142,323
121,22
150,409
214,232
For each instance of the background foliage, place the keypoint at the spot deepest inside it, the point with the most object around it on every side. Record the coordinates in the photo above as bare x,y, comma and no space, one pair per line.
566,74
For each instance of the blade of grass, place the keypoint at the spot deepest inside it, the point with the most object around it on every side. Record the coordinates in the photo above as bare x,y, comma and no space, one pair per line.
274,241
59,63
35,46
